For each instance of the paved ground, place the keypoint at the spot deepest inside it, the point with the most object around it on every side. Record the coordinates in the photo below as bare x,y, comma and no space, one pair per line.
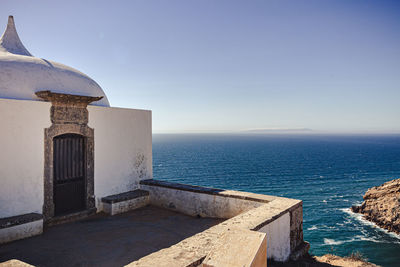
106,241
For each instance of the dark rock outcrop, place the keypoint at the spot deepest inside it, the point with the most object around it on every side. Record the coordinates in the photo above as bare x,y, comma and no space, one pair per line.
382,206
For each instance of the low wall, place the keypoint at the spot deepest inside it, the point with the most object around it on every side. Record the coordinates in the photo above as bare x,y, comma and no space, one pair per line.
200,201
19,227
278,217
238,247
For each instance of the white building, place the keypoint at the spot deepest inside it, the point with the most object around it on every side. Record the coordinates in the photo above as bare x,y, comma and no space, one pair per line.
62,147
66,154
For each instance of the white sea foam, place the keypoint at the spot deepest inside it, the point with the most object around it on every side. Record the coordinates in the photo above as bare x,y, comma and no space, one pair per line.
328,241
358,238
365,234
360,218
370,239
322,227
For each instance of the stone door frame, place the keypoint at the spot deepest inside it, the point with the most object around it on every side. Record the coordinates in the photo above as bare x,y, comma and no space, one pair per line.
69,115
49,134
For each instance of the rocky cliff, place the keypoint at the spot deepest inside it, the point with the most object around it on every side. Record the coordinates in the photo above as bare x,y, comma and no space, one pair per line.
382,206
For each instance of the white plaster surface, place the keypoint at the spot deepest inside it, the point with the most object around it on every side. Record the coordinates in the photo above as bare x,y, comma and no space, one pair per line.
193,203
21,231
21,74
22,155
123,152
278,238
124,206
123,149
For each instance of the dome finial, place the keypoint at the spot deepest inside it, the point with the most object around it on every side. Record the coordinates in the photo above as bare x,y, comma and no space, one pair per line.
10,42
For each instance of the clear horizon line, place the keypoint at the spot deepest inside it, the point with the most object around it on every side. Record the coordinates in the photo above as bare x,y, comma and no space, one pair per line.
284,132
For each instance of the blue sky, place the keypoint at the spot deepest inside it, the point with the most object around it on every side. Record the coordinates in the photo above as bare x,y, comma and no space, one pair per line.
223,66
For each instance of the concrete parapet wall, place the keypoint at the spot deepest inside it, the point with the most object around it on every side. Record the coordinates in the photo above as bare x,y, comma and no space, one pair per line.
198,204
280,218
237,248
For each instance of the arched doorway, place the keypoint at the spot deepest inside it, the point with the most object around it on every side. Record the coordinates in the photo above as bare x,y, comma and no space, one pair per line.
69,173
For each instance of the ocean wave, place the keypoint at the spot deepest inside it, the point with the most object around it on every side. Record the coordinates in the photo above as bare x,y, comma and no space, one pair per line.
328,241
358,238
322,227
360,218
371,239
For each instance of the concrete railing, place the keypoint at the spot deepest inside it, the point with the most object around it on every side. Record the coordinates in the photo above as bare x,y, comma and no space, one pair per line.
201,201
280,218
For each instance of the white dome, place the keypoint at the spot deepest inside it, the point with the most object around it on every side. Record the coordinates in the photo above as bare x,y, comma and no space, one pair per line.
21,74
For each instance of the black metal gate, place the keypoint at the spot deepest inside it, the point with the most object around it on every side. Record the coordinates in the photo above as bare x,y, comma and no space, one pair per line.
69,164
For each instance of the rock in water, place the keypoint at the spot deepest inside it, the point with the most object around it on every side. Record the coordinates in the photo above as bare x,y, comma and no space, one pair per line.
382,205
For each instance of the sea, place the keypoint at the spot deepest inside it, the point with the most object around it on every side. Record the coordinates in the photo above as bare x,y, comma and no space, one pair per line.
330,173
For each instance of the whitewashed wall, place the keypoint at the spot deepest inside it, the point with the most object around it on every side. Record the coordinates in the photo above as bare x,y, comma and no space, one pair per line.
278,238
22,155
123,152
123,149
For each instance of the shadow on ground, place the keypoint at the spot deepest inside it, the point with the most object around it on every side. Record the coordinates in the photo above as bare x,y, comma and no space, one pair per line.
104,240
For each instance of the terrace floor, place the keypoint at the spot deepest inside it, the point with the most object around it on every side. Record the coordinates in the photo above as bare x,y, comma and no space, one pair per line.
103,240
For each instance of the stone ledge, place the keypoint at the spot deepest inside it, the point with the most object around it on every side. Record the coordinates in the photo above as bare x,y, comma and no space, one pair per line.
238,247
125,196
71,217
21,226
19,219
210,191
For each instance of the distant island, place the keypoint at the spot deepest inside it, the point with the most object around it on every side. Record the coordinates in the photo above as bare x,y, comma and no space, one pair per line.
278,130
